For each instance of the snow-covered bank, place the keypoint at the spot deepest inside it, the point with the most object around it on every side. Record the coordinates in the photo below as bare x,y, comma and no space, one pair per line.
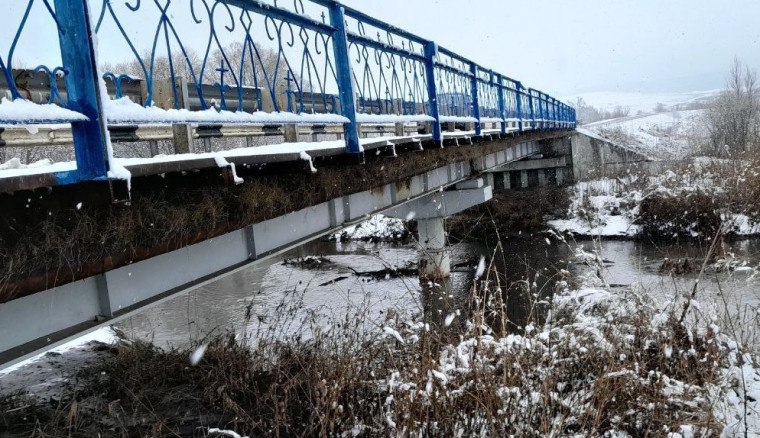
691,199
376,228
103,335
600,208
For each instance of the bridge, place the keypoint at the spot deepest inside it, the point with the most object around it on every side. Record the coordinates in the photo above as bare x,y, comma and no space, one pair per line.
157,173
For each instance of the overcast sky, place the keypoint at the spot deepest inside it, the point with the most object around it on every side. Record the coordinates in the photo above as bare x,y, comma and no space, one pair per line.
562,47
565,47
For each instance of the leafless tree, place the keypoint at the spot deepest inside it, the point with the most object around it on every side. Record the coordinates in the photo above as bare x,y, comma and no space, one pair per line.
259,69
183,66
733,118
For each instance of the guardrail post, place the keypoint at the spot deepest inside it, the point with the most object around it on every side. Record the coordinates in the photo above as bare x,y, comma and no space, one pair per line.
431,53
182,132
475,97
83,89
345,80
399,129
502,105
518,86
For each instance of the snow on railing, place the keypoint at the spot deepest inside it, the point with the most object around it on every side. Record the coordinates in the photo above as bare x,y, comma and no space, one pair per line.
259,63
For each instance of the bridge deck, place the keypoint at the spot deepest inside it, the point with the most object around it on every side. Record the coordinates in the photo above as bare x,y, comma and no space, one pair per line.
28,178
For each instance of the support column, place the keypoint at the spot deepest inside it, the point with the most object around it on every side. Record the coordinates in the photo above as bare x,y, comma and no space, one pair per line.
560,176
431,212
435,257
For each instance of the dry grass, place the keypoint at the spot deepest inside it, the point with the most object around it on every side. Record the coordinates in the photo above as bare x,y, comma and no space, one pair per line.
511,212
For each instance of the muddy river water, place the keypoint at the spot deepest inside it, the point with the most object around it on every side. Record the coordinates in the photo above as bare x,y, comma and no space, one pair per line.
349,277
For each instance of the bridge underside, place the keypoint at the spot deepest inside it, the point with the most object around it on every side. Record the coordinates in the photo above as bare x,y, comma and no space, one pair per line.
281,204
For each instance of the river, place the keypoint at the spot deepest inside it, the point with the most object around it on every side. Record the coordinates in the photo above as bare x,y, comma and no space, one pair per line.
273,292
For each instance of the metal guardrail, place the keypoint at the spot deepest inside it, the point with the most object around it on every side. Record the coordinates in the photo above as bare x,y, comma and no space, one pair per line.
281,61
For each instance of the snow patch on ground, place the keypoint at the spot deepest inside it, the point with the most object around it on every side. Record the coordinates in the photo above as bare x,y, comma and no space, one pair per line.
600,208
610,207
104,335
377,227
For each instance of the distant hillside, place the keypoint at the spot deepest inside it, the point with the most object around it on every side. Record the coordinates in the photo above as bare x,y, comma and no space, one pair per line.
659,125
667,135
643,102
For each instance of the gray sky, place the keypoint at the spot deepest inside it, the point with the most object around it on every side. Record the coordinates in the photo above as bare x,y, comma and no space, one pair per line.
565,47
562,47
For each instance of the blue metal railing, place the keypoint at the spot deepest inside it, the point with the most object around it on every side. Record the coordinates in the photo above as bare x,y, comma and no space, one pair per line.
343,63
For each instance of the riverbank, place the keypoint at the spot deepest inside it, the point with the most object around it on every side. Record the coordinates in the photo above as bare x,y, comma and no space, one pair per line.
693,199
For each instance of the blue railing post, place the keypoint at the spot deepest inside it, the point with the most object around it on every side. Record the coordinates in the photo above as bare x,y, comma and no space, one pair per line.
346,89
431,54
549,110
541,109
475,97
529,93
502,104
83,89
552,111
518,86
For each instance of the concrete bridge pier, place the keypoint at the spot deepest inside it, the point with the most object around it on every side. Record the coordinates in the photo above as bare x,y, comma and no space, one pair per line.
435,257
431,212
